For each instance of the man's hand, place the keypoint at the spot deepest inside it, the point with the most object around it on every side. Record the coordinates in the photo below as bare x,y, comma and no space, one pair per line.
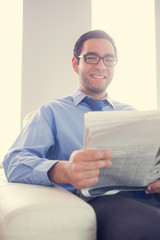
153,187
82,169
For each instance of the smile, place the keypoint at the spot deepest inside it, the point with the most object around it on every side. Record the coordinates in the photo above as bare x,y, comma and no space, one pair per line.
98,76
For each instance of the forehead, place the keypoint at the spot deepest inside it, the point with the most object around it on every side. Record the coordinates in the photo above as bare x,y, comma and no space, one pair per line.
98,45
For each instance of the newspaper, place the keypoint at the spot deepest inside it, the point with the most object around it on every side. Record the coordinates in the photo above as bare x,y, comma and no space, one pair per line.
133,137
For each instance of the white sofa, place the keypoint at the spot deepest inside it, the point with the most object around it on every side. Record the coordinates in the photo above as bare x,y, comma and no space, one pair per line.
30,212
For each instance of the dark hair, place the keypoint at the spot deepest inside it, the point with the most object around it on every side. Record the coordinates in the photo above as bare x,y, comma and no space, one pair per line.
88,35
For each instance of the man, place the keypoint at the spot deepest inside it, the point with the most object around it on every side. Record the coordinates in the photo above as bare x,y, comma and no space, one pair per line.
50,151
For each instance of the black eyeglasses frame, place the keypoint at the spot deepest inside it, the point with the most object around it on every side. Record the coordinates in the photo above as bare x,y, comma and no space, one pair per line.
91,54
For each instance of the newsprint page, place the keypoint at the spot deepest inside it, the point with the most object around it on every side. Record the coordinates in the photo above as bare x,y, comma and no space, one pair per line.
133,137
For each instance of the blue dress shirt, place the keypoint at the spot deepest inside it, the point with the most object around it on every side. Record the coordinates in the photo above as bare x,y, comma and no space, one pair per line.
54,132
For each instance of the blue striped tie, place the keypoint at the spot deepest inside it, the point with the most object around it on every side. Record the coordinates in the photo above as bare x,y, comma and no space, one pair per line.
95,105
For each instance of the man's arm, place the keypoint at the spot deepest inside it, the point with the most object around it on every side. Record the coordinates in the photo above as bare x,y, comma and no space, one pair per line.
82,169
27,161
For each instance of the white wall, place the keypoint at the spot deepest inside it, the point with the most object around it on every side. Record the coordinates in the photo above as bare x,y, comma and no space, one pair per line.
50,29
133,30
10,72
157,17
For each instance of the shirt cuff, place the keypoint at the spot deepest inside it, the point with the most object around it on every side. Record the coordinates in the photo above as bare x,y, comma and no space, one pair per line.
40,175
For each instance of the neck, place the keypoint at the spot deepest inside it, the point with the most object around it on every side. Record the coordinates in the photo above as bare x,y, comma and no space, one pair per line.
96,96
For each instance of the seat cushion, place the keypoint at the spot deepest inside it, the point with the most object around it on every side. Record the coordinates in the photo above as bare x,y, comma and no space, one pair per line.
41,212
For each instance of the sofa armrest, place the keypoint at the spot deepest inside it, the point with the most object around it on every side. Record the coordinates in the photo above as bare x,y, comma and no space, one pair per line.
41,212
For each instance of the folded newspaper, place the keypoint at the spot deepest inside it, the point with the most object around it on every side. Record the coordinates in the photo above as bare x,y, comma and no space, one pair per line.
133,137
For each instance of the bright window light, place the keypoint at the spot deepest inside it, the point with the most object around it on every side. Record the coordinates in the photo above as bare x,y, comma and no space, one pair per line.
132,26
10,71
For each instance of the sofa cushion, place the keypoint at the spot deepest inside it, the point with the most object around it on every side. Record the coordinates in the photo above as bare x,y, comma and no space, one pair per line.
41,212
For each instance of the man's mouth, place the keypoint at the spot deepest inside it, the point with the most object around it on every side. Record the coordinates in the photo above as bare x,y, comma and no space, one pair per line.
98,76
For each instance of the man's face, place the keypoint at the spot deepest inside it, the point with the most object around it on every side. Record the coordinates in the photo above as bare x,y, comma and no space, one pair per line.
95,78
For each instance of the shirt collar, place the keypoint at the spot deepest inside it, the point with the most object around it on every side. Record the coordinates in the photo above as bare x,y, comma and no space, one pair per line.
79,96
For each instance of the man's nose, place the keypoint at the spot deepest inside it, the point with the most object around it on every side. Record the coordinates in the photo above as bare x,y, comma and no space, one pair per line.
101,65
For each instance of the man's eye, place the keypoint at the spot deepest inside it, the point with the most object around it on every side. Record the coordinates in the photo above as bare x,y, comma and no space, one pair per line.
91,58
109,60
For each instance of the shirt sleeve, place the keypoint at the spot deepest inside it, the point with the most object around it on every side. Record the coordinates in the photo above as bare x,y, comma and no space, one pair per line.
26,160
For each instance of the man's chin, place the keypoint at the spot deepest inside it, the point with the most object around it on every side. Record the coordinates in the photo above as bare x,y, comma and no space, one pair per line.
98,90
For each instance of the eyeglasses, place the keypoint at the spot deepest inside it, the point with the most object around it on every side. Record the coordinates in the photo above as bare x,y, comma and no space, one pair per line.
94,59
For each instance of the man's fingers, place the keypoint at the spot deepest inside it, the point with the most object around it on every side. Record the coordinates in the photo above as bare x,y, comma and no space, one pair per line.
84,165
88,182
97,164
91,155
91,165
153,187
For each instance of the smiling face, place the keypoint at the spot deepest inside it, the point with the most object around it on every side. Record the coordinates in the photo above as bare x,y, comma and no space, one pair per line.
94,78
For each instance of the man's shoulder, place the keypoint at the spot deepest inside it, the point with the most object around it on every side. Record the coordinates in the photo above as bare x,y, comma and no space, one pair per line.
48,110
57,106
58,101
122,106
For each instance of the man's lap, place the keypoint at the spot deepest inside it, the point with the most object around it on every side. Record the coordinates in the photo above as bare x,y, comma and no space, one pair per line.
124,216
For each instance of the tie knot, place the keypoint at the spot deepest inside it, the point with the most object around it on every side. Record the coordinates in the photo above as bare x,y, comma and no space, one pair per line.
96,105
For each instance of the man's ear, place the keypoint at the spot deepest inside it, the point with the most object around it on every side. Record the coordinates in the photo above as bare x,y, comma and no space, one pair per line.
75,64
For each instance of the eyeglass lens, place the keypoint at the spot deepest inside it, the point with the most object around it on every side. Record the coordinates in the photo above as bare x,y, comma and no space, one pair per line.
95,59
